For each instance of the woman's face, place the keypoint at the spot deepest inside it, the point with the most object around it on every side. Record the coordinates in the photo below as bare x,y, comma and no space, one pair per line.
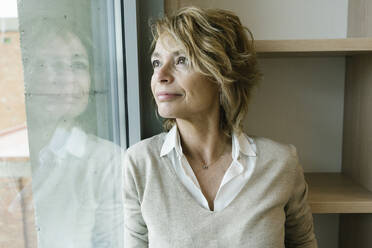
61,78
179,90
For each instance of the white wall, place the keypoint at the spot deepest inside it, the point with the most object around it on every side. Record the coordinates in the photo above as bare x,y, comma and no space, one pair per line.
300,101
287,19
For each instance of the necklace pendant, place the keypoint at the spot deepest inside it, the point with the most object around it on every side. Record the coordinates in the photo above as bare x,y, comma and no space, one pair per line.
205,167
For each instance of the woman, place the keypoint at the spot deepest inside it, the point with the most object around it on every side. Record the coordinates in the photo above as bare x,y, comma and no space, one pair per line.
205,183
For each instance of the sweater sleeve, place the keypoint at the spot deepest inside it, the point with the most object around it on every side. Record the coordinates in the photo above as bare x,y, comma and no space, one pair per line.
135,229
299,230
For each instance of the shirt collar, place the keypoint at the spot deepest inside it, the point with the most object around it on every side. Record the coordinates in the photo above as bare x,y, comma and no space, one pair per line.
240,144
72,142
171,141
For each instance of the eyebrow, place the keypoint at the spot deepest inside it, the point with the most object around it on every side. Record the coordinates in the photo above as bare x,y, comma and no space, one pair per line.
157,55
79,56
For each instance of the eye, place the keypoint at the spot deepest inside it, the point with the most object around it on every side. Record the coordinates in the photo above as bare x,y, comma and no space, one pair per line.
155,63
79,65
181,60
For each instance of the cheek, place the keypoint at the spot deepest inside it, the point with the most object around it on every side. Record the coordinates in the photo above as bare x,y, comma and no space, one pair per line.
204,96
196,89
84,81
152,86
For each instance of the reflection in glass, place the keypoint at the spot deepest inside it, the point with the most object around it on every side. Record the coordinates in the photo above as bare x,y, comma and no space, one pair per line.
75,174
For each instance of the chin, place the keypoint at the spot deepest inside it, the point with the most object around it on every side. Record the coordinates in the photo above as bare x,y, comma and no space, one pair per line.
166,116
167,113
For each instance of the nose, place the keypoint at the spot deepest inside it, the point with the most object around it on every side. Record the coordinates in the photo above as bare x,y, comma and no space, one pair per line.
165,74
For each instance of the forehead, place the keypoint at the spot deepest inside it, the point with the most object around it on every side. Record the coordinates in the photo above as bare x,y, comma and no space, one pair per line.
68,46
167,44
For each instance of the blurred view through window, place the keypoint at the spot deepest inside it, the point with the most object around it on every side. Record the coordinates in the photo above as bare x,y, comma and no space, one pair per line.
60,168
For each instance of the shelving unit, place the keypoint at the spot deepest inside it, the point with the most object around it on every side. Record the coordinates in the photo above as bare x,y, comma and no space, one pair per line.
318,47
330,192
336,193
348,193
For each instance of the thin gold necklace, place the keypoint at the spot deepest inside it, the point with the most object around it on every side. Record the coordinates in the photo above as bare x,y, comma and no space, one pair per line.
206,166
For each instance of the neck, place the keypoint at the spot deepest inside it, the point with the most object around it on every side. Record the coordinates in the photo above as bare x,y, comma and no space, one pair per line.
41,132
203,139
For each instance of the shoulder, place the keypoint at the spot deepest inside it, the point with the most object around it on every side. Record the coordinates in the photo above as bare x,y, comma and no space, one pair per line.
101,145
268,144
146,149
149,145
270,149
278,162
140,160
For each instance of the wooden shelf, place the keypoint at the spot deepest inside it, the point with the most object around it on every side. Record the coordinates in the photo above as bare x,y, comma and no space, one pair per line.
335,193
320,47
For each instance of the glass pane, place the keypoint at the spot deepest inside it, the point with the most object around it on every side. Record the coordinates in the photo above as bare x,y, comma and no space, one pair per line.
68,193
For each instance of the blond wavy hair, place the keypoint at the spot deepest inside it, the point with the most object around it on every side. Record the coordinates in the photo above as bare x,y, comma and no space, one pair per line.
218,46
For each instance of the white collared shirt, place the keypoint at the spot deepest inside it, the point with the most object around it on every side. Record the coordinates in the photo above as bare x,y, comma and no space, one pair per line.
66,142
240,170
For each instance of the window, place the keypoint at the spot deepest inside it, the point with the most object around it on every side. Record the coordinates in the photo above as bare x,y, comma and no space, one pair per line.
64,68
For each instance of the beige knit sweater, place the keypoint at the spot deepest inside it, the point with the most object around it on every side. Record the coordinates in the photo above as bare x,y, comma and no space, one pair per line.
270,211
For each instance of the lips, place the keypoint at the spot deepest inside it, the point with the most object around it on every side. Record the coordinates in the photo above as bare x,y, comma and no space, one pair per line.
166,96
